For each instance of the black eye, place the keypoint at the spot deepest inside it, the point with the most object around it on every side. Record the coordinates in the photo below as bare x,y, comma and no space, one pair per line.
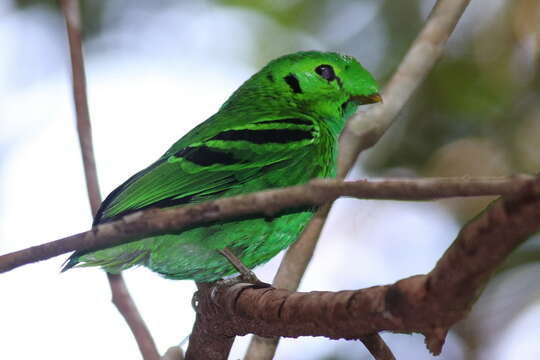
326,71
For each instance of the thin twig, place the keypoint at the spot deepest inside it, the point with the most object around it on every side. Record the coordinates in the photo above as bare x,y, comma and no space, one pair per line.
125,305
71,11
152,222
364,130
120,294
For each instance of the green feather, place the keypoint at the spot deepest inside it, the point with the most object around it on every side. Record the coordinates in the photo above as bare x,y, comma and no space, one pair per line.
280,128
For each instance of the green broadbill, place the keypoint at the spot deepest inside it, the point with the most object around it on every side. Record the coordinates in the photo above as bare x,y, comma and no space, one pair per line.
280,128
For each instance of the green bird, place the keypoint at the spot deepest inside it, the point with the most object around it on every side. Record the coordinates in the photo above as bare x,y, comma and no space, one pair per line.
280,128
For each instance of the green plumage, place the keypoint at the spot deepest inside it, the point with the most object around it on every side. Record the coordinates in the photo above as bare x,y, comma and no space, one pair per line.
280,128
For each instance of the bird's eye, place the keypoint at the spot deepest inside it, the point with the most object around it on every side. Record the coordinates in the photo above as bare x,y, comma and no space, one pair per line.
326,71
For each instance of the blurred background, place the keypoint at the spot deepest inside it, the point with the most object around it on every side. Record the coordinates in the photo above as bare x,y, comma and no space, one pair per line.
156,68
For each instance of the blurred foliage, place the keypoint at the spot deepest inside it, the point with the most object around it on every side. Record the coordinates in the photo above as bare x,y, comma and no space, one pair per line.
482,94
401,25
284,12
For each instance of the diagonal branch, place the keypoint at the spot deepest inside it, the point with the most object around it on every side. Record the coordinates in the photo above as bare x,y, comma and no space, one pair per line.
126,306
363,131
376,346
120,295
429,304
151,222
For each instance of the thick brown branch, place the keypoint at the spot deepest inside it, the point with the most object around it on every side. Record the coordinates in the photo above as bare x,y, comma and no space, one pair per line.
428,304
120,294
365,129
159,221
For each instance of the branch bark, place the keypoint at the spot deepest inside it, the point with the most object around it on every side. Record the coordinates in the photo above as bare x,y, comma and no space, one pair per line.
150,222
429,304
362,132
120,295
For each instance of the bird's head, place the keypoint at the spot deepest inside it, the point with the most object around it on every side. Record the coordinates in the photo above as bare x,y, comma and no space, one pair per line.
327,84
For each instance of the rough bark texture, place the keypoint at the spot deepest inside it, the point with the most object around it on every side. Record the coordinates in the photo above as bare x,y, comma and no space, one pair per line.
429,304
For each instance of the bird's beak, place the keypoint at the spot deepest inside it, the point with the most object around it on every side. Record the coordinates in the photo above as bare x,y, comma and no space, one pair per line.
367,99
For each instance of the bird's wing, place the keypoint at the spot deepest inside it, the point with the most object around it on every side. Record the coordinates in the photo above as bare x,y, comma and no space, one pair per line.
202,170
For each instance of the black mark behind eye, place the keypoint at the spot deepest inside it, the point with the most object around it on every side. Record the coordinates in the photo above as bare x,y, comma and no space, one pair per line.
270,77
293,83
326,72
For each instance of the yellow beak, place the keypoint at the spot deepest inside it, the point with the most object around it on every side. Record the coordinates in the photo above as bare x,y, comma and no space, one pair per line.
367,99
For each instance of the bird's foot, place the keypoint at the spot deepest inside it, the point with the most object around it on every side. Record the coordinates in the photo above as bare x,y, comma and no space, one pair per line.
246,275
251,278
195,300
248,278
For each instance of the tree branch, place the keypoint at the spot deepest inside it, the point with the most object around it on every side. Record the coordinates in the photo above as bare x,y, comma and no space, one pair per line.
126,306
376,346
429,304
71,11
120,295
363,131
151,222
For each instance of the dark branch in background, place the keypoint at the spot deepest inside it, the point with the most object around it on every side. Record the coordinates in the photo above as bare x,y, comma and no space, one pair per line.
71,11
120,294
429,304
363,131
125,305
152,222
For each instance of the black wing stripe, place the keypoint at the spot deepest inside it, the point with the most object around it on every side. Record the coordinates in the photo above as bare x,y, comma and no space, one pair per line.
266,136
206,156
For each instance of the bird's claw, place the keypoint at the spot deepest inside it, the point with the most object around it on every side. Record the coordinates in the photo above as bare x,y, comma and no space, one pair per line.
251,278
195,300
